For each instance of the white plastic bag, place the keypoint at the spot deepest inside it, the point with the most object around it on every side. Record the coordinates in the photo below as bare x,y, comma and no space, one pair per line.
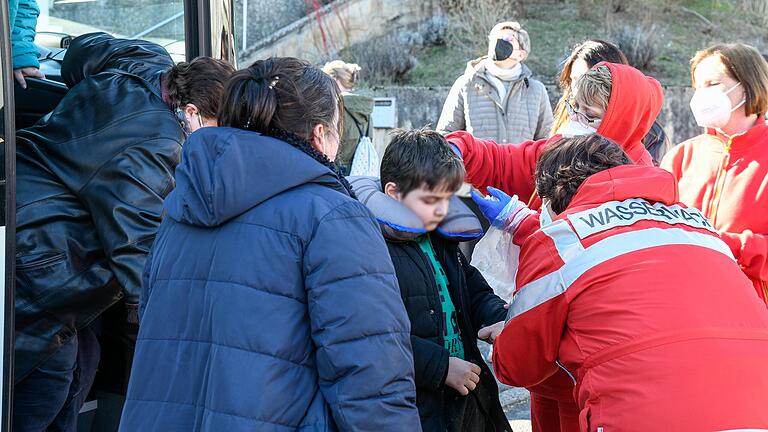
497,258
366,161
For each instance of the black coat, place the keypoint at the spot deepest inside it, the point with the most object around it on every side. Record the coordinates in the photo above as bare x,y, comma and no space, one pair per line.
91,179
477,306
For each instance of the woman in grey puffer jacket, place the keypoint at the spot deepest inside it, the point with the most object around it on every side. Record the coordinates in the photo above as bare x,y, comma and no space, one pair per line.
497,98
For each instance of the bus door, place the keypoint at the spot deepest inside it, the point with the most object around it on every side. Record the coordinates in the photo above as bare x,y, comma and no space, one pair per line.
185,28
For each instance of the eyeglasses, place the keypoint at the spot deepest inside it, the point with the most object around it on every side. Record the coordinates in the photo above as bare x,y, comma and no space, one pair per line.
579,116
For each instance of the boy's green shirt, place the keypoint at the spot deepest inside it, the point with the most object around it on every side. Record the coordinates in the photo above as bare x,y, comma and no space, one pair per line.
451,332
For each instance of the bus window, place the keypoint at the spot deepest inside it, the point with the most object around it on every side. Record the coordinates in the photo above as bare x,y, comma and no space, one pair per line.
157,21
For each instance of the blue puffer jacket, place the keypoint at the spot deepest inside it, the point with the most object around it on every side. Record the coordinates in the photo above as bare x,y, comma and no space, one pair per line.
23,19
269,301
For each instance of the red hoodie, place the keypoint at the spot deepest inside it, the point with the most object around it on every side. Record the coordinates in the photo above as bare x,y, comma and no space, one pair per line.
638,299
727,179
634,104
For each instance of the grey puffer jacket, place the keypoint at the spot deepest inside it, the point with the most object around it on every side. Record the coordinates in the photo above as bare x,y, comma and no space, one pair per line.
473,105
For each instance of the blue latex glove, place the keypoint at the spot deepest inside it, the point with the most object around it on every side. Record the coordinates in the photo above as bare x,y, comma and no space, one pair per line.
492,206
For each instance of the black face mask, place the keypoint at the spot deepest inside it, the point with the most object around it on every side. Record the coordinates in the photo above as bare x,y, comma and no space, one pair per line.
503,50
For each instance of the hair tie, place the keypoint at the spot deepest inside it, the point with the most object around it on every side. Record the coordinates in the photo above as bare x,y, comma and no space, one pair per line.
274,81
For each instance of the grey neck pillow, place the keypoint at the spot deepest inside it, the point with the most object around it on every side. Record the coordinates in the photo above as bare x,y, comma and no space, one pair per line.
398,222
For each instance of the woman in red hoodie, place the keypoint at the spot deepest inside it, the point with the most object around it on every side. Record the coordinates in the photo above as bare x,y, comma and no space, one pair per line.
632,103
724,171
635,296
620,103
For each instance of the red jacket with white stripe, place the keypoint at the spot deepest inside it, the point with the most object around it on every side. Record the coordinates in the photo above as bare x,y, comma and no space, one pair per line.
638,299
634,104
727,179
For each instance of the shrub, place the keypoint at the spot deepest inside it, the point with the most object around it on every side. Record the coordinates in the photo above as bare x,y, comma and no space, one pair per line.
411,39
758,8
434,31
472,20
383,60
639,43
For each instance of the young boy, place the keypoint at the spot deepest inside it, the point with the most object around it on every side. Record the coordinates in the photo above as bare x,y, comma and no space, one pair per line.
447,300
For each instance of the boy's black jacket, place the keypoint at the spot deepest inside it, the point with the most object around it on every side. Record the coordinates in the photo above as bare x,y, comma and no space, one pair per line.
441,407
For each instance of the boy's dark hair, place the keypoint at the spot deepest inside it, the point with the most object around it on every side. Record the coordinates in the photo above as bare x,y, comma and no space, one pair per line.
421,157
566,163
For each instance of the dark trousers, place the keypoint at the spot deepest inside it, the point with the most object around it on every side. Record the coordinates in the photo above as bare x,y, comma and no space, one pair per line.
50,397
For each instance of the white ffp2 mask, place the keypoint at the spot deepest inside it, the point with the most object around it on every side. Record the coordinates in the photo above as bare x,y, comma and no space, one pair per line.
712,108
574,128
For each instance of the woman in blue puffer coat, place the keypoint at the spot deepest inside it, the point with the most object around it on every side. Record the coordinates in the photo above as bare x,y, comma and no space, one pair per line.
269,301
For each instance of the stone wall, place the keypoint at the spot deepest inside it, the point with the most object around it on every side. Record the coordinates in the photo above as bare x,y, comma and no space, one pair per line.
318,37
265,17
420,106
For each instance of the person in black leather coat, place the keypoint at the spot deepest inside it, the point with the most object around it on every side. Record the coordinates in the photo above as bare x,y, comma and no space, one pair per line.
91,179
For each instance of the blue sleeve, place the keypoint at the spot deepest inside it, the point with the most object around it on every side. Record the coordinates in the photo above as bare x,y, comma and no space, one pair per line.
23,15
359,324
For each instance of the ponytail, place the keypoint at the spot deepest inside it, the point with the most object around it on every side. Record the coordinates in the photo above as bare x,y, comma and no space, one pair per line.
280,93
285,98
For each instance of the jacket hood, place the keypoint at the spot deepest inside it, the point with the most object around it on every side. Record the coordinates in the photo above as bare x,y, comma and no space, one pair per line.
398,222
227,171
634,104
92,53
358,104
477,67
625,182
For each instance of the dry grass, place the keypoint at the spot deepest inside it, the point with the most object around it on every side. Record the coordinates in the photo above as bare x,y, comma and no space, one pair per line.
473,19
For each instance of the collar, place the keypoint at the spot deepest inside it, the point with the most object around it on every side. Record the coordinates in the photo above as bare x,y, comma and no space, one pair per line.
503,74
744,140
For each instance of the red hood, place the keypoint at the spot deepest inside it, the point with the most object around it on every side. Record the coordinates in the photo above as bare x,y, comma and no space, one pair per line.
625,182
635,103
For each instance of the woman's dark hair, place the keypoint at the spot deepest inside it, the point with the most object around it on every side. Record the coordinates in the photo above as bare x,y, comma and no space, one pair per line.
567,162
592,51
280,93
285,98
421,157
199,82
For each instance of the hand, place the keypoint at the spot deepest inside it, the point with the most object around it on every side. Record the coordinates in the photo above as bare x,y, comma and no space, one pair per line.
463,376
490,333
20,73
507,217
492,205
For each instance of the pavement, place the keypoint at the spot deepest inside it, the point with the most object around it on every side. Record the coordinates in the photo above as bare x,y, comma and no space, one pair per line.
517,406
520,425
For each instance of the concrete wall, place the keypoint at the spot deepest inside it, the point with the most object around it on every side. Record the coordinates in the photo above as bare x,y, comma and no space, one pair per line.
339,24
420,106
110,15
265,17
